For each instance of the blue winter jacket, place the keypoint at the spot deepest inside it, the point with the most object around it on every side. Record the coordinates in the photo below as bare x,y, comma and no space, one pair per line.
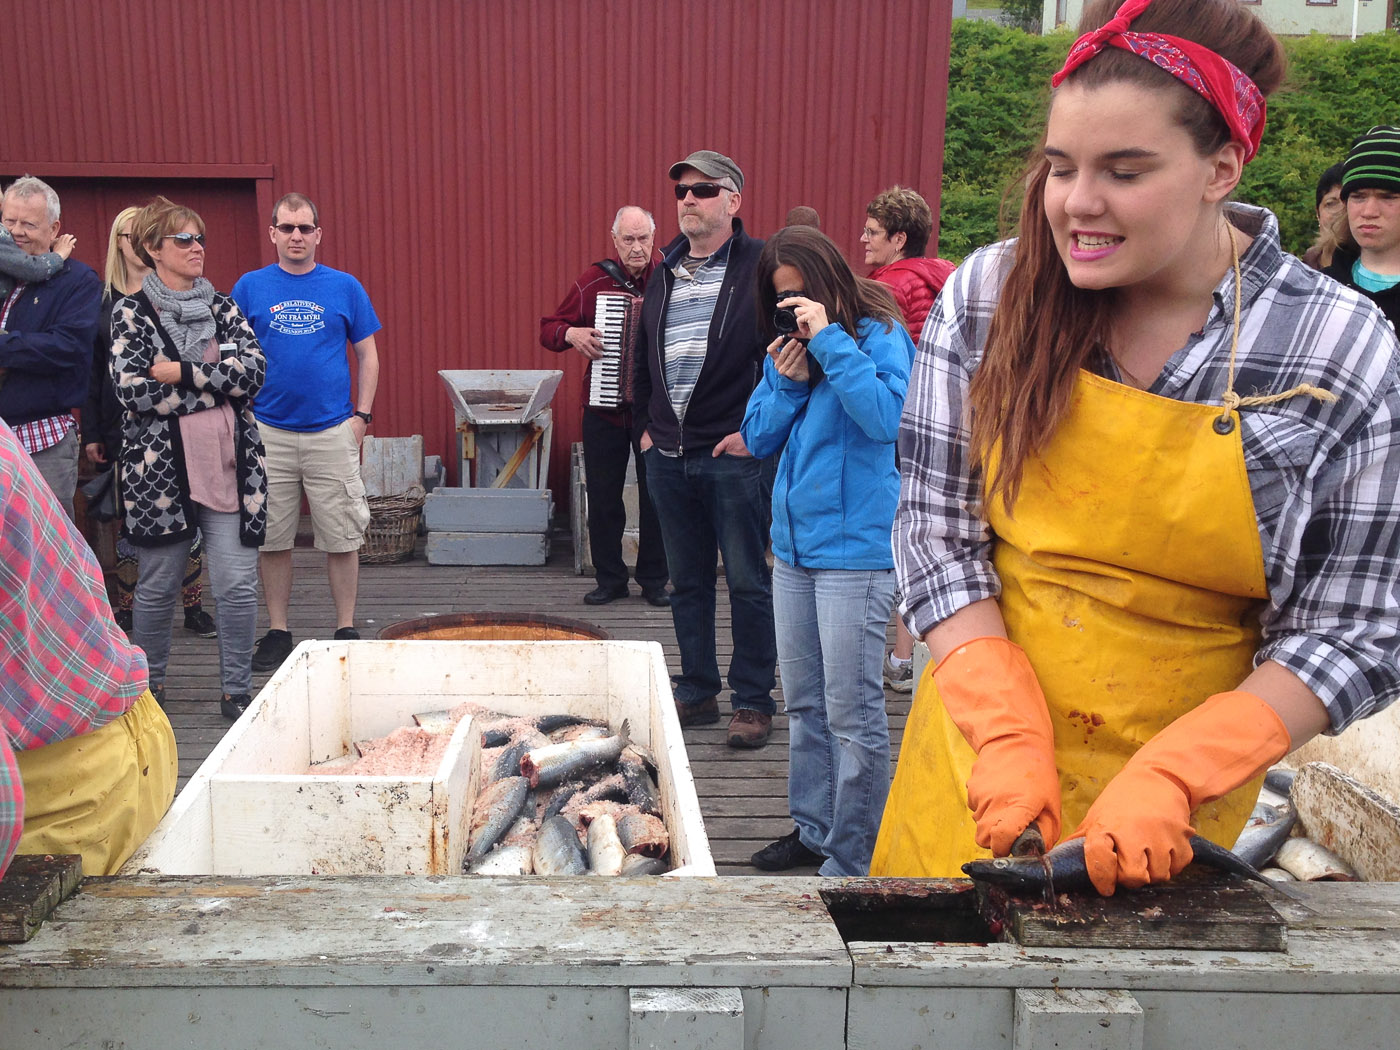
837,484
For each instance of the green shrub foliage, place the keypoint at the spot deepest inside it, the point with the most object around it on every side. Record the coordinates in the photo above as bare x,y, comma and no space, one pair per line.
998,83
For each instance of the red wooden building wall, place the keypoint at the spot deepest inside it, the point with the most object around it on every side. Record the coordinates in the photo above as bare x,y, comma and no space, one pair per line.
467,156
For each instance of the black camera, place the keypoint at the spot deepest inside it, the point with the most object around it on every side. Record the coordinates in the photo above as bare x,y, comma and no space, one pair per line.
785,317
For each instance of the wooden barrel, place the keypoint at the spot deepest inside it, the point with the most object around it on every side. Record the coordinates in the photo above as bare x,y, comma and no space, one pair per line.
494,627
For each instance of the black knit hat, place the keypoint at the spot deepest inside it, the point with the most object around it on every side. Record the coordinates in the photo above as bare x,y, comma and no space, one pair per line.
1374,161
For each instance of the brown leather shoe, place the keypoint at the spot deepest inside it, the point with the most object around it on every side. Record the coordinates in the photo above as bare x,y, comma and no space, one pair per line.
749,729
701,713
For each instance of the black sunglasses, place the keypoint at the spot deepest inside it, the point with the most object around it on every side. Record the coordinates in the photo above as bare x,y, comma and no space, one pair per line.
703,190
184,240
305,228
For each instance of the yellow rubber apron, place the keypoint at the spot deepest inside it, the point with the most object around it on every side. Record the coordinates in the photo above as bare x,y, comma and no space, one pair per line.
100,794
1131,571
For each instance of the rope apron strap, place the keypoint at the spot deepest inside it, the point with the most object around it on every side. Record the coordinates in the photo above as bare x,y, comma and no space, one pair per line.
1233,401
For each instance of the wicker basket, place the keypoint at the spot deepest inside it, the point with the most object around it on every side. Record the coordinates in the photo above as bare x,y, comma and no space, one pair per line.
393,527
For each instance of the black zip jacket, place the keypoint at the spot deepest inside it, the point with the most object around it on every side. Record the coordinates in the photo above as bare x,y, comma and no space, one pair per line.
1388,300
733,358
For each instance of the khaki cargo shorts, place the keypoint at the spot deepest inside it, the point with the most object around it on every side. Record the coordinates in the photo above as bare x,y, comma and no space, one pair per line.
326,466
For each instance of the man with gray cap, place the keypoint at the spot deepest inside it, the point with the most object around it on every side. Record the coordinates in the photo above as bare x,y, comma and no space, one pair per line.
1368,257
699,357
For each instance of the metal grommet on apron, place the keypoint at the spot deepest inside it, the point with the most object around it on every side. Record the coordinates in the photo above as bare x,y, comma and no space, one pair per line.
1132,581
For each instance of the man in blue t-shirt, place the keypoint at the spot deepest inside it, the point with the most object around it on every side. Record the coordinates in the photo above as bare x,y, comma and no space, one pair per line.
304,314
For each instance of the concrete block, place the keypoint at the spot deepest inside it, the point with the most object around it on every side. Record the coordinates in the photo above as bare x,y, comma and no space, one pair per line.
487,548
488,510
1077,1019
685,1019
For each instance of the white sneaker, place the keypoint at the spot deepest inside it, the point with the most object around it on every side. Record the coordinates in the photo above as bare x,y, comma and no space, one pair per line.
900,679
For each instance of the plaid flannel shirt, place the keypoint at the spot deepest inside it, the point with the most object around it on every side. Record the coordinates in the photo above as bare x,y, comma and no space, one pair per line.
65,667
1324,477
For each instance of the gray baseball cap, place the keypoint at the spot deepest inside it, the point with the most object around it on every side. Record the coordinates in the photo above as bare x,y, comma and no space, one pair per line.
708,162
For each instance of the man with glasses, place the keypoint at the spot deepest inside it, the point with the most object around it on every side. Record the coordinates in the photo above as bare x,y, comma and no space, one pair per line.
699,357
46,335
304,313
607,433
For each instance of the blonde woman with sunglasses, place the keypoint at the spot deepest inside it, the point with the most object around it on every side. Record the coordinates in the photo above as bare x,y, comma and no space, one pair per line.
186,366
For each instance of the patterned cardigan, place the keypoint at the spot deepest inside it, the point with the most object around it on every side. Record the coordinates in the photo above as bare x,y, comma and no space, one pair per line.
154,489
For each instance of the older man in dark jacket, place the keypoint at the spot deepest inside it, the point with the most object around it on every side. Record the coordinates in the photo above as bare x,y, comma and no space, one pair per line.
699,357
46,342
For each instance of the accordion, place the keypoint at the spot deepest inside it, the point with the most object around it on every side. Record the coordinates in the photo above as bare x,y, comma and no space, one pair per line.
617,316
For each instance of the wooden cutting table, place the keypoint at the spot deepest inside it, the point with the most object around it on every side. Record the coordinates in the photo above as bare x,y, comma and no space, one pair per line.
369,963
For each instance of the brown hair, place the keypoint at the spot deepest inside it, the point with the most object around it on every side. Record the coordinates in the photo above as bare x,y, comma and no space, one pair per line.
1044,329
157,220
901,210
826,278
294,202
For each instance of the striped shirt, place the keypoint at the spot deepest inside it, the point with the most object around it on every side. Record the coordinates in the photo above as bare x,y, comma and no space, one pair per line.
41,433
1324,477
65,667
688,314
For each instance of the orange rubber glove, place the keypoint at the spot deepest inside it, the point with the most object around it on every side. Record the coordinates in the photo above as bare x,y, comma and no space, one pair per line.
990,691
1138,830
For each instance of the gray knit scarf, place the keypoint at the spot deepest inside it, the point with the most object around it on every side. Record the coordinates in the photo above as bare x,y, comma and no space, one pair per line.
187,317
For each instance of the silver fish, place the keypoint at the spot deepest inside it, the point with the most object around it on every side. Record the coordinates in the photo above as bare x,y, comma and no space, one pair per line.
505,860
494,810
641,788
1306,861
549,723
1264,833
641,864
436,721
558,850
605,852
558,762
508,761
643,833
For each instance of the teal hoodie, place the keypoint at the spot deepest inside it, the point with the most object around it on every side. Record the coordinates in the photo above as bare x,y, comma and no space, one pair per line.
837,485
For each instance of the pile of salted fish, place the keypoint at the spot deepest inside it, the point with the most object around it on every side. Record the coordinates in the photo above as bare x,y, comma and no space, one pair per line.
564,795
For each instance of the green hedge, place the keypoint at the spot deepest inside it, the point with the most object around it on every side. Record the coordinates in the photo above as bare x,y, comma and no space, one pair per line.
998,83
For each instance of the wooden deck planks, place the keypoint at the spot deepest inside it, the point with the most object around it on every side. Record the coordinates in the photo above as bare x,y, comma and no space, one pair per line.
743,794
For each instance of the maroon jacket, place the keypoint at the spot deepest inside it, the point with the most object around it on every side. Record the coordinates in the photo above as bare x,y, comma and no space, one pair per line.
576,311
915,283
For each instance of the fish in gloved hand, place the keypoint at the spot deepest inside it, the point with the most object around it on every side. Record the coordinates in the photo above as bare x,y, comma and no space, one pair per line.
1063,869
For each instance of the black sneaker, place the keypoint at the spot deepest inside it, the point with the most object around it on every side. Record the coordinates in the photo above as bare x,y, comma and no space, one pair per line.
787,852
273,648
199,622
346,634
233,706
601,595
158,691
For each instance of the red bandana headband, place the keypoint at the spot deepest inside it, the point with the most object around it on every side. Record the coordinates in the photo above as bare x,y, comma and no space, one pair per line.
1215,79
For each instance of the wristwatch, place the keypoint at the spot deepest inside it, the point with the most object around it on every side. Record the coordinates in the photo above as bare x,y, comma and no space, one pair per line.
368,417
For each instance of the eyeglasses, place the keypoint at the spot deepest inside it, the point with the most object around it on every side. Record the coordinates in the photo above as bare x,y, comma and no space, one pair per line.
186,240
703,190
126,235
303,228
867,234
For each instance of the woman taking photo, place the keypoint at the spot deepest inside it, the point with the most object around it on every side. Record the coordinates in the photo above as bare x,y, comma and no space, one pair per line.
102,428
186,365
832,390
1148,527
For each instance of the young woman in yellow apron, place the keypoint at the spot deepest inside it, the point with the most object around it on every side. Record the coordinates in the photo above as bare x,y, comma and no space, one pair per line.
1147,526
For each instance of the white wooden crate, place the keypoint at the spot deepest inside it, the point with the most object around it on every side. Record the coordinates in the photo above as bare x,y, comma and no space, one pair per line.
251,810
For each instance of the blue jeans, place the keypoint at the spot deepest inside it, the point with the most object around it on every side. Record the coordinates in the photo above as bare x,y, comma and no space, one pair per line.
831,645
233,575
707,505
